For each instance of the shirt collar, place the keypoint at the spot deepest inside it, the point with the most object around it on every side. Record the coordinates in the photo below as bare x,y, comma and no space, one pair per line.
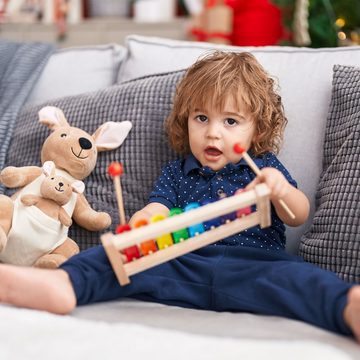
192,164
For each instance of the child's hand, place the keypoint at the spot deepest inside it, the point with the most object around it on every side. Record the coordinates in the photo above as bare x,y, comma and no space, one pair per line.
275,180
139,215
281,189
148,211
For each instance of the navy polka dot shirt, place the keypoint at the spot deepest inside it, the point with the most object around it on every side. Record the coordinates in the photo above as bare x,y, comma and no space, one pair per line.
185,180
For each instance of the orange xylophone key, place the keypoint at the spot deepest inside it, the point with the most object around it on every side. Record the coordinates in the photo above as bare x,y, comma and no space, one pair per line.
149,246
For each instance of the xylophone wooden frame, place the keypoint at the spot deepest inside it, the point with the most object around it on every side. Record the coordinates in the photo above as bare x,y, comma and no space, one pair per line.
113,244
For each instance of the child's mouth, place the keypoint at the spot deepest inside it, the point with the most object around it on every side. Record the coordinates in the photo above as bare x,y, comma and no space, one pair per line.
212,152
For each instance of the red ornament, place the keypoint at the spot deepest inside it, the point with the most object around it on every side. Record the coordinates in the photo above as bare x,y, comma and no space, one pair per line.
238,148
256,23
115,169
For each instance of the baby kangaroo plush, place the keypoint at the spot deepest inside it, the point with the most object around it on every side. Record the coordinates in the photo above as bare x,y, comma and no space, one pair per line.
31,235
55,192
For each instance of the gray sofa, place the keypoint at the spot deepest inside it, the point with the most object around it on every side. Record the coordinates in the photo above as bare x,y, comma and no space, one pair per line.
305,78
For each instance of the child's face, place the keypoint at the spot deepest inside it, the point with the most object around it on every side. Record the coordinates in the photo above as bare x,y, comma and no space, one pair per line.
213,133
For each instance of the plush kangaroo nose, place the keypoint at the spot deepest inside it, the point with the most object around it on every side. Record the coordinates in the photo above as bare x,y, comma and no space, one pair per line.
61,184
85,143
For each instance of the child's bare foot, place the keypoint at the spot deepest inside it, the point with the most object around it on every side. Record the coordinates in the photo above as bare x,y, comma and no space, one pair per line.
352,311
40,289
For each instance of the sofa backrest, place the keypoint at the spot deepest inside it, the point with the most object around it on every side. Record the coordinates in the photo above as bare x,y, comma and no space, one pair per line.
305,79
304,76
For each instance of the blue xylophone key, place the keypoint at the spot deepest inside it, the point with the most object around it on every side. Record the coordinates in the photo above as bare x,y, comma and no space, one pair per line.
227,217
211,223
197,228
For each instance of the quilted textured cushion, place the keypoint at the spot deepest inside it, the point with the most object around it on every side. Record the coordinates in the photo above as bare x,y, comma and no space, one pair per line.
145,102
333,242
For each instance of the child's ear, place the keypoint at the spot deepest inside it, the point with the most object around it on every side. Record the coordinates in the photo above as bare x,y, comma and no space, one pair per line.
48,168
111,135
78,186
52,117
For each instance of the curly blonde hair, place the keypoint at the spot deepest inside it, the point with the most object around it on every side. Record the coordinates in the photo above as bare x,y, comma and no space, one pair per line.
215,77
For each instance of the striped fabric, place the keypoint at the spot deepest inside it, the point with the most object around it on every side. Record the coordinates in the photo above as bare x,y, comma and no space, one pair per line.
333,242
20,67
145,102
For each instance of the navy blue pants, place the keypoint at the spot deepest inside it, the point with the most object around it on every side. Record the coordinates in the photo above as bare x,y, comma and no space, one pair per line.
222,278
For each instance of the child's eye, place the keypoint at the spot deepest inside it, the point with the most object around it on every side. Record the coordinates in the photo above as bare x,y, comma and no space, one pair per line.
231,122
201,118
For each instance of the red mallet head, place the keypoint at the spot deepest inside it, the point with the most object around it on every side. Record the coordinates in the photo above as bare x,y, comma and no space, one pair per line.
115,169
238,148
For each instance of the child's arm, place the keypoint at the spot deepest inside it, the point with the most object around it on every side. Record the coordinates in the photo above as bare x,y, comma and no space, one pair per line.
282,189
148,211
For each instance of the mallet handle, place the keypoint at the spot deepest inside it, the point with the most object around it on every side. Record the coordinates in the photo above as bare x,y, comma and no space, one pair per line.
257,171
119,199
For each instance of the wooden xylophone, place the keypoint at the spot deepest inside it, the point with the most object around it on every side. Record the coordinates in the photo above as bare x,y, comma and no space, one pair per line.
175,224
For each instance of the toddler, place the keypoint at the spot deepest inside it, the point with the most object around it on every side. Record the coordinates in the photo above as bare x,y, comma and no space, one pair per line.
224,98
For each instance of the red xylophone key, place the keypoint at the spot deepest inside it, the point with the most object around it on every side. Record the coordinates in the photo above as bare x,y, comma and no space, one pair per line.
131,252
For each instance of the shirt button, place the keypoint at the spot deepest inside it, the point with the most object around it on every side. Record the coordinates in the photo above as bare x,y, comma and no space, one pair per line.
219,177
220,192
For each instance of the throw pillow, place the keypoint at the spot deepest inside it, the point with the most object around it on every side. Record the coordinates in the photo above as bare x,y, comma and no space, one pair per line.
145,102
333,241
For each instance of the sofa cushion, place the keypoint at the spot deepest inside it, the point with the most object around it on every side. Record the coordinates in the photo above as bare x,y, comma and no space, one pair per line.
304,76
146,103
77,70
20,67
333,241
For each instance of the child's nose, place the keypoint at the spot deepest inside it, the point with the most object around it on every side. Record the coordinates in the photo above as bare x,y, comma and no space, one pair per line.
213,131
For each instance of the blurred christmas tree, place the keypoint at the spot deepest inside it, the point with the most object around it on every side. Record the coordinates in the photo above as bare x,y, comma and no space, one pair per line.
322,27
348,20
334,22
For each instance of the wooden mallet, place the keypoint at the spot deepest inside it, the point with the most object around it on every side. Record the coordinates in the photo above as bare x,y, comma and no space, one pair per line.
240,150
115,170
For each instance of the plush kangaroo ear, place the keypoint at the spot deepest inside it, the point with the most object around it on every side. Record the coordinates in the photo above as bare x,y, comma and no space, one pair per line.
52,117
111,135
78,186
49,168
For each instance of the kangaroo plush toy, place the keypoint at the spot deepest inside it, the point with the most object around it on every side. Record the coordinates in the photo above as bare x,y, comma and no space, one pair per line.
30,235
